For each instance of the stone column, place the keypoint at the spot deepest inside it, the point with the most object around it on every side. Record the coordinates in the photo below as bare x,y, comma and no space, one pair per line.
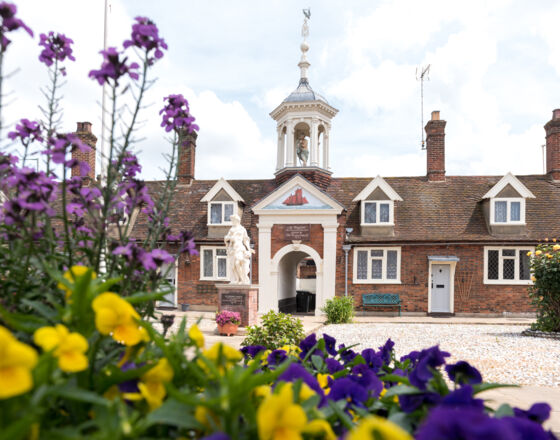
314,143
329,265
281,147
290,162
326,164
268,296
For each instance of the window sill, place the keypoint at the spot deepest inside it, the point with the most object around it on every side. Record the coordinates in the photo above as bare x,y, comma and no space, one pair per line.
508,224
213,279
509,282
355,281
218,224
368,225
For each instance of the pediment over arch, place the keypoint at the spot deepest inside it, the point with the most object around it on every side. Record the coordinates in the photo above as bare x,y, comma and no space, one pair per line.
297,194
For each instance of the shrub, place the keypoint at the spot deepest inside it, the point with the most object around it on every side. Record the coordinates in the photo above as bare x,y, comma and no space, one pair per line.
339,310
228,317
277,330
545,291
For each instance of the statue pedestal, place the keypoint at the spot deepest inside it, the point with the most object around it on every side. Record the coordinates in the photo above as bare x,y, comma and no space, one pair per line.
241,298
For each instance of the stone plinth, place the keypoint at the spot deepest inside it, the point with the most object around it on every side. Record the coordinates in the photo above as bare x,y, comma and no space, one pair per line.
240,298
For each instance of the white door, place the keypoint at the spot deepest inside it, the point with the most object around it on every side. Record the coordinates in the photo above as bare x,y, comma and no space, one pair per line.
440,288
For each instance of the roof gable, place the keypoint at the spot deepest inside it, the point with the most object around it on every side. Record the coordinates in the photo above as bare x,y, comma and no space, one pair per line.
380,183
298,194
513,182
219,186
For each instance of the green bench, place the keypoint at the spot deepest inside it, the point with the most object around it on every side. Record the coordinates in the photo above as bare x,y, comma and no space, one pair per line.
381,300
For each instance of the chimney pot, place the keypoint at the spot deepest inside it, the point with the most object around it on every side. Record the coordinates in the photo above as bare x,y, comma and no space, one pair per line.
556,114
435,148
83,131
84,127
435,115
552,129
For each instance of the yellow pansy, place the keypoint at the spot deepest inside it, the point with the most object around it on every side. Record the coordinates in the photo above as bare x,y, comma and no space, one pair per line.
305,392
323,380
291,350
116,317
262,391
16,362
378,428
222,355
206,418
68,348
71,275
279,417
151,384
320,428
196,336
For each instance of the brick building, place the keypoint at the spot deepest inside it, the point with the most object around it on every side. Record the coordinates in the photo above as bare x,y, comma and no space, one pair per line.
445,244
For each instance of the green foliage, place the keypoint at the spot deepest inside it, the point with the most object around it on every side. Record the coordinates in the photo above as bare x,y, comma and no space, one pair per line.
339,310
277,330
545,292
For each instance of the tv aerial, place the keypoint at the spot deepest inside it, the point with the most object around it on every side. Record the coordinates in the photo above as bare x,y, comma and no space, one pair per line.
424,75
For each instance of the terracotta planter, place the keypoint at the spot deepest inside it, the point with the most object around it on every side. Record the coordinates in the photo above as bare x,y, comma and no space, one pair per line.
228,329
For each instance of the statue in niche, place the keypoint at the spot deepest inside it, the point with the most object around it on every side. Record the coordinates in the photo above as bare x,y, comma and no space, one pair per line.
239,252
302,151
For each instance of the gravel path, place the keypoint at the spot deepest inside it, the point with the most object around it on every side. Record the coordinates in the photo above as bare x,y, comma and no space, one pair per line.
498,351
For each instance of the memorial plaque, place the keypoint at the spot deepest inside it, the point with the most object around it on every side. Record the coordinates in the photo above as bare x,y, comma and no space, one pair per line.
233,299
297,232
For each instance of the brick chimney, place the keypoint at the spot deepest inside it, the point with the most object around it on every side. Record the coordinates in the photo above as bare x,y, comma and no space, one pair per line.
185,171
83,131
552,129
435,148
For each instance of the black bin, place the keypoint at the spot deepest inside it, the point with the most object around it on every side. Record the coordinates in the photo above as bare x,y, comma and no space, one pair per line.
305,301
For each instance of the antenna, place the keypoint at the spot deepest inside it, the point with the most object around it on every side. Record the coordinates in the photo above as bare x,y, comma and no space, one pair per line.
543,146
425,71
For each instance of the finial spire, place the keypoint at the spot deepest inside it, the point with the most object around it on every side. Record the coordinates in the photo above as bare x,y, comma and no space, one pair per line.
303,63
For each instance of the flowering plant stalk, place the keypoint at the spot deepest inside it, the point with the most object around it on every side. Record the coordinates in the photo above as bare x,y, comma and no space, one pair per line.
228,317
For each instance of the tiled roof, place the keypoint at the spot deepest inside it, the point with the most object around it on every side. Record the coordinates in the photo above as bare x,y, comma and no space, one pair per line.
430,211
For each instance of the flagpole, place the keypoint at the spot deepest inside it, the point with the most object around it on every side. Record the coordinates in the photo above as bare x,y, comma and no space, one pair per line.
103,153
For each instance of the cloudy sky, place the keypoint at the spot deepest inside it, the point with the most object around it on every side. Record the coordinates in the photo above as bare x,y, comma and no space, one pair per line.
495,70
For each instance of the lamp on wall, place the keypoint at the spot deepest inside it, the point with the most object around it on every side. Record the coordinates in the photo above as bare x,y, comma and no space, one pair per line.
346,248
187,259
348,232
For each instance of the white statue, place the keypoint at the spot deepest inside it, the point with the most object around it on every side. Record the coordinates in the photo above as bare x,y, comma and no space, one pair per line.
239,252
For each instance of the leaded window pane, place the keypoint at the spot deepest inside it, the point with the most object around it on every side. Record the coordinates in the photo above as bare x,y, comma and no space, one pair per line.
392,265
222,267
376,269
221,252
524,265
216,213
383,213
515,211
369,214
509,269
377,253
208,263
228,211
493,265
500,213
508,252
362,265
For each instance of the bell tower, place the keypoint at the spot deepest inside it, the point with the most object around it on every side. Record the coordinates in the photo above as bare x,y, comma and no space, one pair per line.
303,124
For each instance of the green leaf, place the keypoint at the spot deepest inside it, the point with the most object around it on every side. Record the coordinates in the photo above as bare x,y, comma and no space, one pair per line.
338,409
41,309
78,394
22,322
142,297
400,390
173,413
17,429
395,378
503,411
480,387
317,362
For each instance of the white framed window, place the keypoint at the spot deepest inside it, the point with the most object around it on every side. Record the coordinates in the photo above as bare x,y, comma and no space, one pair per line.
507,265
379,212
507,211
377,265
169,272
213,263
219,213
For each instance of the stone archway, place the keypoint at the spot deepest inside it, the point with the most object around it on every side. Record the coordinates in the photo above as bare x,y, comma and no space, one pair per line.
283,266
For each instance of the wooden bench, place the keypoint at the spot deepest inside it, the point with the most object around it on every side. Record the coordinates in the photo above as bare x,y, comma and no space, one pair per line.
381,300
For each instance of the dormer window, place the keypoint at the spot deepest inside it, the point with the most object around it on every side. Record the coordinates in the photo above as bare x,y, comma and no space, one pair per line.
508,211
220,213
377,212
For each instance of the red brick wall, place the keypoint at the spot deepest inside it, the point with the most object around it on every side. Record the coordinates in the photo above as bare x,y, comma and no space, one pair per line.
552,129
320,178
413,290
435,150
83,131
315,239
191,290
186,165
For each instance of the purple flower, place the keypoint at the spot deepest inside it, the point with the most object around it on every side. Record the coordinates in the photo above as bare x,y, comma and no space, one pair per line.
131,167
161,256
176,115
429,359
307,344
145,35
373,360
297,372
61,144
10,23
28,131
411,402
333,365
252,350
347,355
367,379
462,372
345,389
330,343
55,47
113,68
527,429
276,357
217,436
539,412
463,397
386,350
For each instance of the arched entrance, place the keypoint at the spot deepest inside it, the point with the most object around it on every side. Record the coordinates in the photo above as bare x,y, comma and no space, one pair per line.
285,270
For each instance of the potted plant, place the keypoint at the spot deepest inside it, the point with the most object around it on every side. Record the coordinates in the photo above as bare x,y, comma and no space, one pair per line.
228,322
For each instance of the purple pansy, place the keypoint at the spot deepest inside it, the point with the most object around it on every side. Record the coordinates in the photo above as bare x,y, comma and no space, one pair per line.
176,115
333,365
429,359
145,35
27,131
113,67
55,47
373,360
386,350
252,350
217,436
411,402
462,397
345,389
330,344
463,373
295,372
10,23
346,354
367,379
539,412
276,357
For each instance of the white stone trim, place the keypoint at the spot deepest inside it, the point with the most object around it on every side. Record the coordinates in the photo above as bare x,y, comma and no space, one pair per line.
509,179
370,280
218,186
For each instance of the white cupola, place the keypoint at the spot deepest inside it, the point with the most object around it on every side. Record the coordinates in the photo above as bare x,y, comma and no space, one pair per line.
303,123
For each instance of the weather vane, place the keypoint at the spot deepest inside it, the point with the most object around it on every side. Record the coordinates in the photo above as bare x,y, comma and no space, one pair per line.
305,27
